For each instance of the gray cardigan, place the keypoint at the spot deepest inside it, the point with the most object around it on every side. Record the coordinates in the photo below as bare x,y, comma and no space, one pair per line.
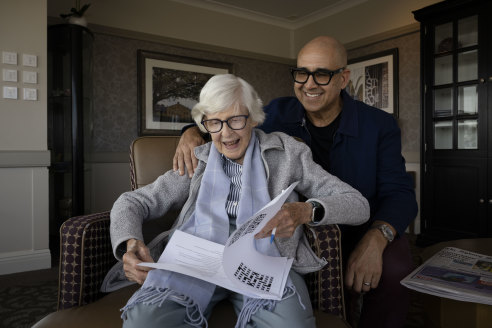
286,160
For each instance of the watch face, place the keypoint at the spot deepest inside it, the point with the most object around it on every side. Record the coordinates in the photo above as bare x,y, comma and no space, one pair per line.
318,212
388,234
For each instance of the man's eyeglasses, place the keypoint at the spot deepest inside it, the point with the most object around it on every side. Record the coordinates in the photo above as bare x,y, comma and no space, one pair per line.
234,122
321,76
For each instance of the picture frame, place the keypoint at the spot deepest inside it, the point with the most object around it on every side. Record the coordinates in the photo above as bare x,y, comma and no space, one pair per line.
374,80
168,88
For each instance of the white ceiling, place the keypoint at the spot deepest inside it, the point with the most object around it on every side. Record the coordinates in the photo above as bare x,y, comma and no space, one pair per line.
284,13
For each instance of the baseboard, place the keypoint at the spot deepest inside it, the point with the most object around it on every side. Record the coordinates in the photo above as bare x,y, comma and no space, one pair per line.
25,261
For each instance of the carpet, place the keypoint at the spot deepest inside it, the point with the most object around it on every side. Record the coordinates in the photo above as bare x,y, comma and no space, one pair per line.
23,303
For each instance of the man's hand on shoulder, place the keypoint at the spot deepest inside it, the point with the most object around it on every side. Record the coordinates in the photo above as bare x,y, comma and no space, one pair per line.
184,156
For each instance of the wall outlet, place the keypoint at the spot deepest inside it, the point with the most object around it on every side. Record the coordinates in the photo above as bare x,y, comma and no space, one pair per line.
29,77
29,60
30,94
10,92
10,75
9,57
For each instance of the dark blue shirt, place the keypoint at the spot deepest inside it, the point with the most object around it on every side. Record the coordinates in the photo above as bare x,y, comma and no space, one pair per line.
366,153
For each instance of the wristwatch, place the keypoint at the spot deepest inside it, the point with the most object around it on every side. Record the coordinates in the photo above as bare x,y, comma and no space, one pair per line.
386,231
318,211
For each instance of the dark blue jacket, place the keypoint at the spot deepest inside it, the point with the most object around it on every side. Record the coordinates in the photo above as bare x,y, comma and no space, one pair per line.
366,153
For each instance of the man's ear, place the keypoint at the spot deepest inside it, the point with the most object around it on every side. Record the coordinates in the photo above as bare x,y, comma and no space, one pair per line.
345,78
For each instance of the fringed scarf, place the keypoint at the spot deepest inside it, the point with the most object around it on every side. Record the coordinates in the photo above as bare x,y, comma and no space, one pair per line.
210,221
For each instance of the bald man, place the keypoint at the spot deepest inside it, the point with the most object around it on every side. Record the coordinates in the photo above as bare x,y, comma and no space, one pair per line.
361,145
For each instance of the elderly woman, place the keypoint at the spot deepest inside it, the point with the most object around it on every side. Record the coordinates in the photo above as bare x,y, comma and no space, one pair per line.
239,172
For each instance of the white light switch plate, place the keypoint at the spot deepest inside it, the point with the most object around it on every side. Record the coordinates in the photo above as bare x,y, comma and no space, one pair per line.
30,94
9,57
10,92
29,60
9,75
29,77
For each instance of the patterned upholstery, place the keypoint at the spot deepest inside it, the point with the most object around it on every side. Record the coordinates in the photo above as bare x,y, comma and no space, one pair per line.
86,256
326,285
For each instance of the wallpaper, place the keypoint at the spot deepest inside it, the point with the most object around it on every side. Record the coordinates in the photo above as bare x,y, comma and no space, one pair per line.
408,84
114,110
114,115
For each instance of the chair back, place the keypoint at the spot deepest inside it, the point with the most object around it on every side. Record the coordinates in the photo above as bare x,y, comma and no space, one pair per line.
150,157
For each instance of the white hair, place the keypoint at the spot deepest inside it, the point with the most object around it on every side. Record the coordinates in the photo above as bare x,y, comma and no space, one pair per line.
224,91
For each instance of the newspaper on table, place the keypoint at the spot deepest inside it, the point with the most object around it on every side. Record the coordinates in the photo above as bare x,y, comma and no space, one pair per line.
237,265
456,274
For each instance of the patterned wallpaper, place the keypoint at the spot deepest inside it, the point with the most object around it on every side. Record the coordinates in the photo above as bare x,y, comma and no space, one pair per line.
115,85
408,83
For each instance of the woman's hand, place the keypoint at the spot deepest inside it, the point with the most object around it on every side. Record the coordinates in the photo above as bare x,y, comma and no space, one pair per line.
290,216
136,252
184,156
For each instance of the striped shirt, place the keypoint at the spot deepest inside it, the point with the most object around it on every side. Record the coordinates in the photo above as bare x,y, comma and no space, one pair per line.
234,171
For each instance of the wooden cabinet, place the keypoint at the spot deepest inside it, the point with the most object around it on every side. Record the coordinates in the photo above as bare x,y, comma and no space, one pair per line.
69,110
456,71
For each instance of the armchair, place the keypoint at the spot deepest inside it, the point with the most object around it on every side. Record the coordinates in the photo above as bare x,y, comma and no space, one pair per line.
86,256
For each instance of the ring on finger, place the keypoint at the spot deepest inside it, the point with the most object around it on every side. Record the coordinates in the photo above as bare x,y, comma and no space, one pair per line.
367,284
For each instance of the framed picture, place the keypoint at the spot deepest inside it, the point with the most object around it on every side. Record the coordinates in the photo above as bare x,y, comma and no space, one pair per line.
374,80
168,88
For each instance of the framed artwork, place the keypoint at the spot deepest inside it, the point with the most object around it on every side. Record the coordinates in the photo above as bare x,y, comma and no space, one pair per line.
374,80
168,88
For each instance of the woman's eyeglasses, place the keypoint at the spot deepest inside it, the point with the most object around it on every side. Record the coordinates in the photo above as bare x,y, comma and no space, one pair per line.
235,123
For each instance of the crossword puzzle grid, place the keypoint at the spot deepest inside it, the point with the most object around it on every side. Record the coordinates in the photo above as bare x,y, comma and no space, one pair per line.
248,227
254,279
257,220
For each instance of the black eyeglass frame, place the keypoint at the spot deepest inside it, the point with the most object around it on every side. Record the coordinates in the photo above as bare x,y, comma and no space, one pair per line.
293,70
226,122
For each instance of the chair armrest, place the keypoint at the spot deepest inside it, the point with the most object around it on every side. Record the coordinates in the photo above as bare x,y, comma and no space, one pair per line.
326,285
86,256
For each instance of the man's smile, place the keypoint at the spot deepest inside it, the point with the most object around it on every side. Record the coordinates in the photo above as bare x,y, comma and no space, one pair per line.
313,95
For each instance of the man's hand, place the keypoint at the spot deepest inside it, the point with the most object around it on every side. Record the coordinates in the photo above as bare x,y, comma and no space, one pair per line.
136,252
365,264
184,156
290,216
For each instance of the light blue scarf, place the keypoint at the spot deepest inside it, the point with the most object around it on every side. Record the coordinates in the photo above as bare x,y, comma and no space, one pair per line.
210,221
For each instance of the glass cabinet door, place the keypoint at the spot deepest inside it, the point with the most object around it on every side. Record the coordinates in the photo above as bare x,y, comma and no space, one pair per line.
456,113
455,98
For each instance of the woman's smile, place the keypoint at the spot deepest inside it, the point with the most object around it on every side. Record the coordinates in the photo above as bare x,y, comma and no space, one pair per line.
231,144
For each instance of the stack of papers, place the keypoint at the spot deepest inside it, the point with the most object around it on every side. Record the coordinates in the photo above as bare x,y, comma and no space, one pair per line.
237,265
